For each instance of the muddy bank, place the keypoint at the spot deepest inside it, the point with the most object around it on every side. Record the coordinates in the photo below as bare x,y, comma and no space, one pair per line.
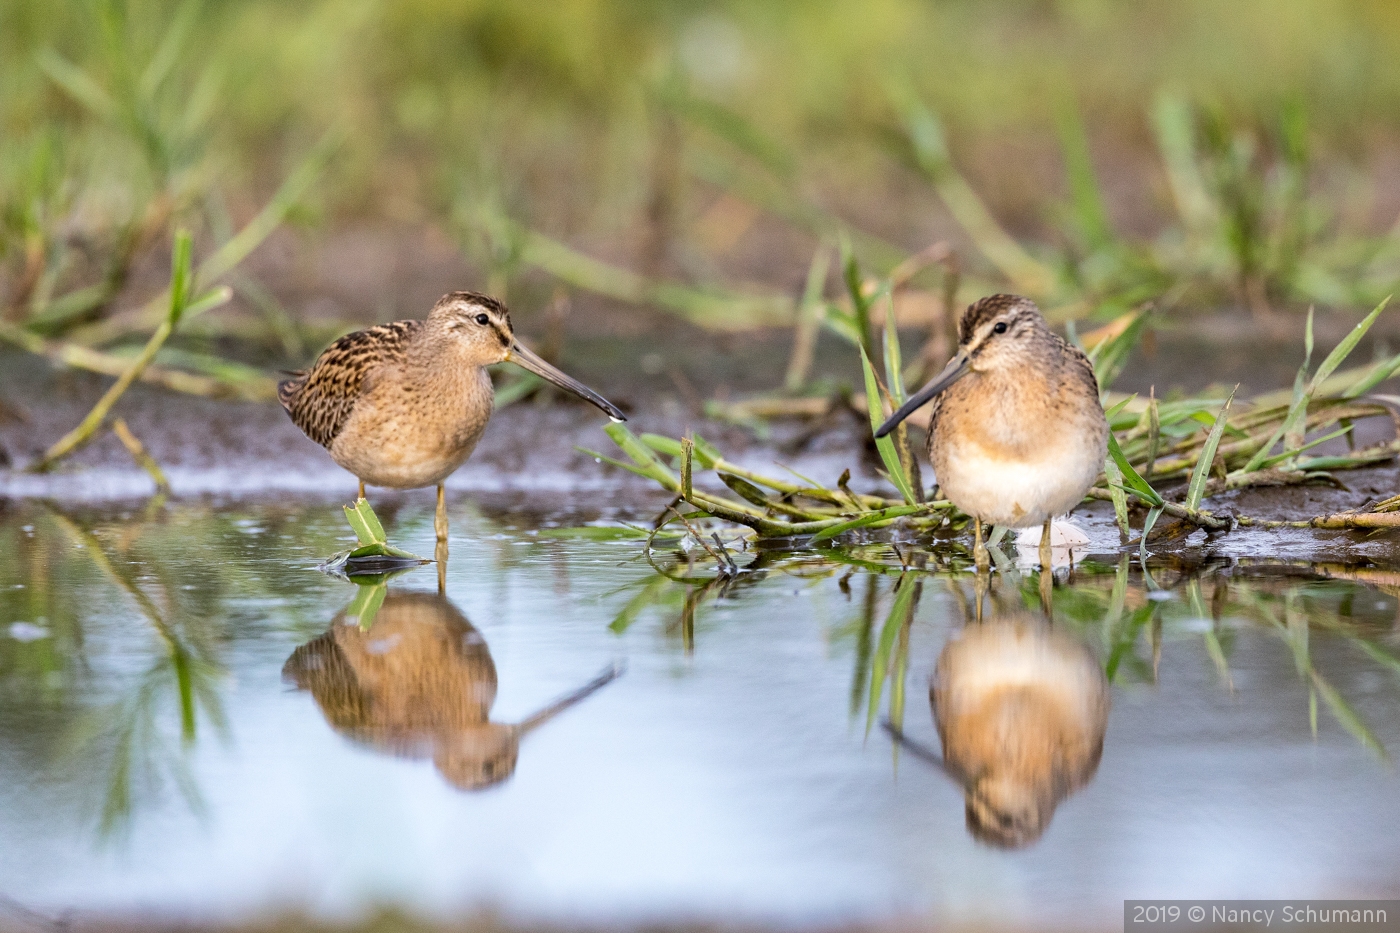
232,448
530,456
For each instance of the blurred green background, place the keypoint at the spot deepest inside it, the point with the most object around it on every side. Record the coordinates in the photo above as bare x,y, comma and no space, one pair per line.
690,158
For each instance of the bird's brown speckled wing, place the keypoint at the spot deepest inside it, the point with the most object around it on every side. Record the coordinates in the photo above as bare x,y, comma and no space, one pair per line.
321,398
1076,360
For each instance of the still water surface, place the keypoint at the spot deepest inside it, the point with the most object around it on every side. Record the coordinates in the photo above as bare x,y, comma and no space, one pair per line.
195,721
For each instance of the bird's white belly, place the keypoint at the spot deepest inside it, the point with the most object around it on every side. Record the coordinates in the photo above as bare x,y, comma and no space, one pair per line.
1018,492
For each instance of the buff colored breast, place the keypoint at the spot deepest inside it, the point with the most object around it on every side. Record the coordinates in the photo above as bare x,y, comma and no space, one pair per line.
1017,451
388,441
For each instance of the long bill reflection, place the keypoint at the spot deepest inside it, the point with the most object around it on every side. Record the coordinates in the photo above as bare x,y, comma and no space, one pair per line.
419,682
1021,710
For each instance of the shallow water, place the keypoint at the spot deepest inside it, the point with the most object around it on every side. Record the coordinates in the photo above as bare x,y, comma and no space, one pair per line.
195,721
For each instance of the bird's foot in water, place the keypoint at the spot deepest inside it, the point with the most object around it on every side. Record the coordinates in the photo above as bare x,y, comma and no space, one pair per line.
1067,543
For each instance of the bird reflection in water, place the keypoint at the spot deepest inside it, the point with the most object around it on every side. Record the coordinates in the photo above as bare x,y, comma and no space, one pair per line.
1021,710
419,683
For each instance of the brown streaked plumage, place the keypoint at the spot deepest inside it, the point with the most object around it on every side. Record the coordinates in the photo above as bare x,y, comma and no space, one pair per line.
419,683
321,398
403,404
1017,434
1022,711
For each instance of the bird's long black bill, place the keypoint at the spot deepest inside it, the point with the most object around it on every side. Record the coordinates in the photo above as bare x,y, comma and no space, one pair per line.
523,357
609,674
918,750
957,368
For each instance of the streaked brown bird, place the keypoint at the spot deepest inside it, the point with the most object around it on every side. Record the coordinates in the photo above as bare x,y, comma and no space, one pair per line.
419,683
403,404
1017,434
1022,711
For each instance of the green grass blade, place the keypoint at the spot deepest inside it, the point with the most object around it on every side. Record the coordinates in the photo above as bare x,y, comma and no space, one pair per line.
930,150
871,518
366,512
1110,413
1201,474
1345,715
1147,523
357,522
370,608
172,43
1293,425
382,549
358,605
899,614
1342,350
1114,476
1279,458
1176,140
860,302
705,453
1110,356
653,593
1126,637
216,297
687,460
77,83
708,454
647,464
1373,377
888,455
620,464
1378,655
181,279
1135,482
1086,202
894,367
1297,405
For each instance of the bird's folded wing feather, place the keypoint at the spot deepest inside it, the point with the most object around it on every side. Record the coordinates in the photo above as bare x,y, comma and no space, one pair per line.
321,398
1076,357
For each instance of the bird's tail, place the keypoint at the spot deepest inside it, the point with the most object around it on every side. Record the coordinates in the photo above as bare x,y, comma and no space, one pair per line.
287,389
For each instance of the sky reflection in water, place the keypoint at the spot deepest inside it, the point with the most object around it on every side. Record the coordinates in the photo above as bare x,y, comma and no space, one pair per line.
192,719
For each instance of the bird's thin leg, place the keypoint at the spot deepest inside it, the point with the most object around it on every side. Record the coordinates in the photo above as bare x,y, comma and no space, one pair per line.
980,557
362,489
1045,548
980,584
1047,571
440,519
440,555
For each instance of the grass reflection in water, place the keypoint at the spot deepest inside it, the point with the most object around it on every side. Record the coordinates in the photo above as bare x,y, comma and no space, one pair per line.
125,642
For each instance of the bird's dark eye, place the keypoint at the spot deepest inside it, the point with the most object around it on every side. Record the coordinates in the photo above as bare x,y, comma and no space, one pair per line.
1000,328
483,320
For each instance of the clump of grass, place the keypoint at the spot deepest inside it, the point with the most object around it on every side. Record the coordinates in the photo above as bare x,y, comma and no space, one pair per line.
374,556
1213,445
1247,230
183,303
128,165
